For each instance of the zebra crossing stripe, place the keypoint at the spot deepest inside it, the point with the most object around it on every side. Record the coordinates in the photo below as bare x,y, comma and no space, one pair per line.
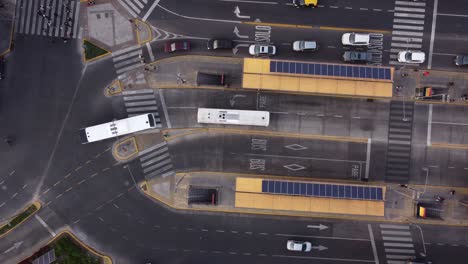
408,27
404,245
396,262
127,8
150,10
408,3
399,257
126,62
407,239
29,16
410,9
408,21
406,45
75,21
34,18
23,11
407,33
396,250
409,15
125,50
395,226
405,39
139,4
126,56
129,68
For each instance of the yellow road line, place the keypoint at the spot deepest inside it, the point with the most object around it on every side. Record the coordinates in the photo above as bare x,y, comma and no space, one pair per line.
451,146
317,27
276,24
355,29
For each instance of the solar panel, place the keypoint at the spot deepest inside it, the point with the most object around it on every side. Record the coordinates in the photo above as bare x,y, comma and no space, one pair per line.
354,71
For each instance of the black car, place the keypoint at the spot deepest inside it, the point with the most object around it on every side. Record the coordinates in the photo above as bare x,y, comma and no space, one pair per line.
461,60
357,56
215,44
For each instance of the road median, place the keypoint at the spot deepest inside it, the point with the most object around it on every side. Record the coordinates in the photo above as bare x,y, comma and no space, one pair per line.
25,214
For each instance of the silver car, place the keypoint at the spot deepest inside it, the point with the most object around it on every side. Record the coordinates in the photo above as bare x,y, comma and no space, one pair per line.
301,246
304,45
262,49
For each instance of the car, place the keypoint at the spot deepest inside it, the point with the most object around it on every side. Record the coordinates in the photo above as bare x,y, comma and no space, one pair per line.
214,44
357,56
305,3
304,45
355,39
461,60
409,56
301,246
262,49
178,45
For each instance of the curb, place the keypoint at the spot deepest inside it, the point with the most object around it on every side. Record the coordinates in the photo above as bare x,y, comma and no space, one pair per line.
150,32
38,207
95,58
115,153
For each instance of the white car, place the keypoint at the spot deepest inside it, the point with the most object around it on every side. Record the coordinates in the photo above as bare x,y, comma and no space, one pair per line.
304,45
301,246
259,49
355,39
409,56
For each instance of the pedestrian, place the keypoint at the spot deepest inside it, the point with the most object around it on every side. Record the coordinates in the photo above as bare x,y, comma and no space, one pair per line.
8,140
49,23
41,7
65,40
56,14
69,19
452,192
425,73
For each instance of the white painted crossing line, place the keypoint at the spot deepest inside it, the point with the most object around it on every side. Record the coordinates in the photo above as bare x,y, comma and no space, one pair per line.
407,33
405,45
44,224
406,39
405,227
410,9
400,233
150,51
116,53
399,257
407,239
150,10
408,21
122,3
408,27
397,250
396,262
403,245
409,15
410,3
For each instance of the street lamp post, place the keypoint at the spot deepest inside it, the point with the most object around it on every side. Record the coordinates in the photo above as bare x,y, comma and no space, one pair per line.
427,175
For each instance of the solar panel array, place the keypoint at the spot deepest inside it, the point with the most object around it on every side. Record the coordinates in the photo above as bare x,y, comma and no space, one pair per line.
332,70
323,190
46,258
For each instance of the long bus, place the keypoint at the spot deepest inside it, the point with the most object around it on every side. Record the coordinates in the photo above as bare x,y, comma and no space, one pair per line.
117,128
233,117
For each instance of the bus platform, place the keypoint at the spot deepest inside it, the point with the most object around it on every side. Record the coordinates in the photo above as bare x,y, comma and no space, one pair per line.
225,193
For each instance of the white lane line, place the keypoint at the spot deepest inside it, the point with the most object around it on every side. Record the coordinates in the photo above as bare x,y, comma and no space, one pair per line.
449,123
429,126
332,259
431,46
302,158
395,226
445,54
150,10
252,2
45,225
409,3
199,18
163,103
369,141
150,51
374,248
324,237
452,15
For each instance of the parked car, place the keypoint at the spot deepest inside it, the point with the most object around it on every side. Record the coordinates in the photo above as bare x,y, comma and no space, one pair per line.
262,49
461,60
214,44
409,56
357,56
304,45
305,3
301,246
355,39
178,45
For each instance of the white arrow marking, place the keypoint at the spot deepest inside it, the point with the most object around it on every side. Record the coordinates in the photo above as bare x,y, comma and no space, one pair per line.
232,101
320,247
321,227
237,12
236,48
236,31
15,246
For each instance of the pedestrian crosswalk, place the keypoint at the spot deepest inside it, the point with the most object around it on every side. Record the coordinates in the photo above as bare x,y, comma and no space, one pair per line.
398,243
136,7
375,48
52,18
156,161
127,59
142,101
408,28
400,131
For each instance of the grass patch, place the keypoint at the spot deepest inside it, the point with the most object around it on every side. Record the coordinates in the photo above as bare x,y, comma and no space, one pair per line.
18,219
68,252
92,51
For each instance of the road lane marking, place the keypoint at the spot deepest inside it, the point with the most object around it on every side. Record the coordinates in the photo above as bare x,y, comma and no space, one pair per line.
80,182
94,175
78,168
324,237
334,259
58,196
68,175
398,245
44,224
374,248
395,250
150,10
450,123
69,189
431,46
163,103
401,233
395,226
410,9
409,3
303,158
408,21
444,54
57,183
407,239
452,15
150,51
253,2
429,126
199,18
409,15
368,155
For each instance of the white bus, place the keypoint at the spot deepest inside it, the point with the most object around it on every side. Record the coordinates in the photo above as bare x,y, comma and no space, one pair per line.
233,117
117,128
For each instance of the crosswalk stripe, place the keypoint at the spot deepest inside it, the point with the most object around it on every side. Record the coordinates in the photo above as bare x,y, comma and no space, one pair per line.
405,45
57,20
122,3
133,6
157,165
143,152
138,97
156,159
132,67
410,9
145,1
406,39
140,103
408,27
404,245
75,21
125,50
29,16
126,62
407,33
34,18
409,15
404,227
397,250
408,21
406,239
139,4
23,11
399,257
402,63
142,109
408,3
138,91
396,262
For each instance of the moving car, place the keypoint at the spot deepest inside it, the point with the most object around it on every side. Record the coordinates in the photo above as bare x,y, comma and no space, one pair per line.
357,56
178,45
304,45
301,246
305,3
215,44
262,49
355,39
461,60
409,56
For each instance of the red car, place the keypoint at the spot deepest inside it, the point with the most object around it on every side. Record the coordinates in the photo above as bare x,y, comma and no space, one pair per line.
178,45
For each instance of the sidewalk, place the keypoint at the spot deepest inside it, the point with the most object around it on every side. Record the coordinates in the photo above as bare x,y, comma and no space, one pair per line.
7,12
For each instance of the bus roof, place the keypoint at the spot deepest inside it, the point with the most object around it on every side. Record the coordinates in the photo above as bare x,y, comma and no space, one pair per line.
233,117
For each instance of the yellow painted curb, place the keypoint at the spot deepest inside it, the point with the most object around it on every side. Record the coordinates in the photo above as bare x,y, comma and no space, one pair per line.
106,259
109,92
440,103
355,29
38,207
95,58
150,32
452,146
271,133
11,38
114,148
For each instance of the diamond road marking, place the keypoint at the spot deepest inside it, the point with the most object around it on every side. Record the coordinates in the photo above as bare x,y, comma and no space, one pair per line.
295,147
294,167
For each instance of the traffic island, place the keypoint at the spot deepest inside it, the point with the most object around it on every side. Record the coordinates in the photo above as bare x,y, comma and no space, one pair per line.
66,248
115,88
125,149
20,218
93,52
143,31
